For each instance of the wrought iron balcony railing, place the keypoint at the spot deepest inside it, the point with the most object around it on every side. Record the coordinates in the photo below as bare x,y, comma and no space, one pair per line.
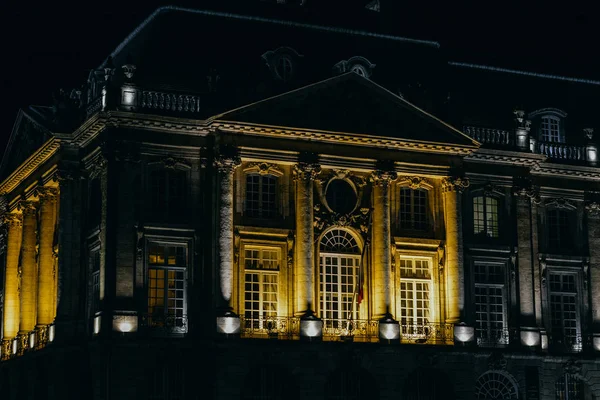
499,337
561,343
166,324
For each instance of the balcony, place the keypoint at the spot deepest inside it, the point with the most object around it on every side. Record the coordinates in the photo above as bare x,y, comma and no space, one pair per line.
288,328
494,337
163,325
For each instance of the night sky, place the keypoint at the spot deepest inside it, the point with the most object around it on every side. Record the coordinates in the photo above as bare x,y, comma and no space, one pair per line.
51,45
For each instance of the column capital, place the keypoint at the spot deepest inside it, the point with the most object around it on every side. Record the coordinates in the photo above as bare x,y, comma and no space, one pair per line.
381,177
414,182
13,219
454,184
28,207
227,163
593,208
46,193
306,171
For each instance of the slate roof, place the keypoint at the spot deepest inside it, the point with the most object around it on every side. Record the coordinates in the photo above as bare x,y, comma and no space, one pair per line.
349,103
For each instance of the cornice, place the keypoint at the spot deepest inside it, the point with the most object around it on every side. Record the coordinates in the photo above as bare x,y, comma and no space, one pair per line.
42,155
341,138
565,170
506,157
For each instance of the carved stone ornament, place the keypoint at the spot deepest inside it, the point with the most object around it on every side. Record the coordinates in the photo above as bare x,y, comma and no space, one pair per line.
306,171
522,123
382,177
172,163
6,349
589,133
46,193
324,219
454,184
128,70
560,203
496,361
13,219
572,367
227,163
414,182
264,168
28,207
97,166
522,187
593,208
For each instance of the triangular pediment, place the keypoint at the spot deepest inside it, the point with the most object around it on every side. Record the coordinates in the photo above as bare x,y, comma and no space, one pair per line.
27,136
349,104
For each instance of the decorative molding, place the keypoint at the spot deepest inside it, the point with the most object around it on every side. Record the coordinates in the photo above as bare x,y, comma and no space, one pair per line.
383,177
46,193
343,138
13,219
34,161
263,168
28,207
454,184
175,163
304,171
415,182
496,361
227,163
324,219
522,187
560,203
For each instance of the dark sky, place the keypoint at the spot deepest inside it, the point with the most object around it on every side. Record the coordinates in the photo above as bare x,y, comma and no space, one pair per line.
51,45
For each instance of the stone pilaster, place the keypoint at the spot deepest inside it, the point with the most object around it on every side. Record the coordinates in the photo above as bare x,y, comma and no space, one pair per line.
226,166
304,175
12,301
526,264
382,242
29,270
452,188
593,225
46,277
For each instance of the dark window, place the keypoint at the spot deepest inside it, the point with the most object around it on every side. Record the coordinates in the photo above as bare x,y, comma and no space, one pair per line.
340,196
168,190
413,209
261,196
569,387
485,216
490,313
559,232
95,203
564,313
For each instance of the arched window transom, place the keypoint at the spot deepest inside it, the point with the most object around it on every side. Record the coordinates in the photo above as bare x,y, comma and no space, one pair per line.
339,241
496,385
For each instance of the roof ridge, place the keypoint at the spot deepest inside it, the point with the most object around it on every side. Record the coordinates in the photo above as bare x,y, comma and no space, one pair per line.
525,73
348,31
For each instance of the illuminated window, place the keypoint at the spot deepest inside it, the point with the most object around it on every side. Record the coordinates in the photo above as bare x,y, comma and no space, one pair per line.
564,311
569,387
496,385
261,286
415,301
551,129
490,312
167,274
338,276
558,228
485,216
413,209
168,193
261,196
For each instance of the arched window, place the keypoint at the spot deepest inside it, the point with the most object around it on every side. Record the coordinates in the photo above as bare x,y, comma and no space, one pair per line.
349,383
338,276
485,216
261,195
494,385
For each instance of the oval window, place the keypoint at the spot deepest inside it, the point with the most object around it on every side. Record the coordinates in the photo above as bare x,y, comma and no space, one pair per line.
340,196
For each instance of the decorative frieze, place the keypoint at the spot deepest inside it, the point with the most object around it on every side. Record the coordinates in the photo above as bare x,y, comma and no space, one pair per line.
263,168
324,219
560,203
414,182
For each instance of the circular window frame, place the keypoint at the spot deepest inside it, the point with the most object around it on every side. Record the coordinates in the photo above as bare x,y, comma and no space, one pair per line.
363,70
354,189
279,74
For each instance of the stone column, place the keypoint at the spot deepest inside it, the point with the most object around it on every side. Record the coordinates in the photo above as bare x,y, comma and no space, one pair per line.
526,261
46,291
29,272
304,175
452,188
382,242
12,301
226,166
593,226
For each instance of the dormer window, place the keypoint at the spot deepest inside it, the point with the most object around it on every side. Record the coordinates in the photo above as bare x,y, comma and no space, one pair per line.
358,65
551,129
360,70
284,68
282,62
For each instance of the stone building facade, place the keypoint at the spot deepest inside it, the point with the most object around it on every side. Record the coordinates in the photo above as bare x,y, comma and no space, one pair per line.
175,228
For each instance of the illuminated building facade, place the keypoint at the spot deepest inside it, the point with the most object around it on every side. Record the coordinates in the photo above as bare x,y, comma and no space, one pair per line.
301,213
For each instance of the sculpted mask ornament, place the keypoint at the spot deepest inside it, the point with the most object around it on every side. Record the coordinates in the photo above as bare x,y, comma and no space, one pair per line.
306,171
